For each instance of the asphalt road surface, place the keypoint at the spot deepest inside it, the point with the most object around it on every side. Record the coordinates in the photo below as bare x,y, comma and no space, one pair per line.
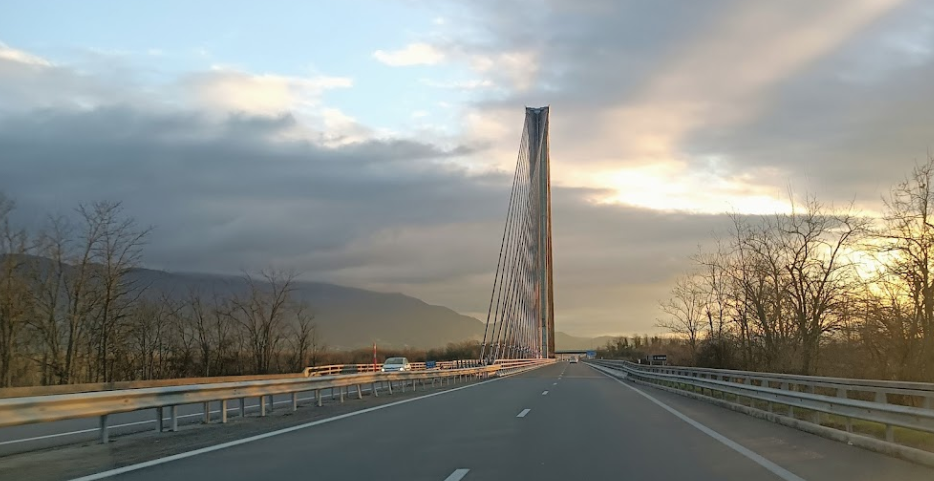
564,421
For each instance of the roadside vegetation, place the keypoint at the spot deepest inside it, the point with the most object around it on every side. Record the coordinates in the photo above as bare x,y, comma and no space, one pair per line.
72,311
817,290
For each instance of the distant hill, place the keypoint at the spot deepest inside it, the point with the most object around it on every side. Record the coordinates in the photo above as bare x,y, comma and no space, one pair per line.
567,342
349,317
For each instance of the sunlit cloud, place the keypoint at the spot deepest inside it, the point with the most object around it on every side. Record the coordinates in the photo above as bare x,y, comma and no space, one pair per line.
474,84
412,54
14,55
722,77
232,90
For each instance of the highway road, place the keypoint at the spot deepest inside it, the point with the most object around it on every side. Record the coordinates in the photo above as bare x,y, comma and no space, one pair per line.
563,421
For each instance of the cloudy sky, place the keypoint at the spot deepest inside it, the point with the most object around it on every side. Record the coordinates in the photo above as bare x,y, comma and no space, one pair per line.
371,143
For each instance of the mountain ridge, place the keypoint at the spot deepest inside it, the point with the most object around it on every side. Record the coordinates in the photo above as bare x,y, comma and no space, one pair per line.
348,317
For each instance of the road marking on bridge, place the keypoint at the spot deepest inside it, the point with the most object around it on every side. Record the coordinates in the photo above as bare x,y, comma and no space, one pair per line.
137,423
457,475
544,393
752,455
523,413
554,383
258,437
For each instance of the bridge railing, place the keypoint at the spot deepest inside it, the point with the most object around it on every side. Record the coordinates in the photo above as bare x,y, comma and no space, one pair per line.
57,407
334,369
831,407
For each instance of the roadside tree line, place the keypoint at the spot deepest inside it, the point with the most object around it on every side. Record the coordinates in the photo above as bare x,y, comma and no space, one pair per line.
817,290
72,310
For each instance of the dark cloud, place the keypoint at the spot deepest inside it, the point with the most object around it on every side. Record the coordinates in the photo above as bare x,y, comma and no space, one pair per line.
847,127
387,215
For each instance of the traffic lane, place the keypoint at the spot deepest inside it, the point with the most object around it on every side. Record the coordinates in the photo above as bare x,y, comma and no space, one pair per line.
587,427
808,455
30,437
419,439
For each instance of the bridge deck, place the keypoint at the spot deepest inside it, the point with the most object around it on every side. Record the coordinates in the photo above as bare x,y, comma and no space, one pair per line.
586,426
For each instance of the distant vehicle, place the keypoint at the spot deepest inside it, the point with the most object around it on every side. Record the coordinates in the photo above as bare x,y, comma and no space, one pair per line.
396,364
573,360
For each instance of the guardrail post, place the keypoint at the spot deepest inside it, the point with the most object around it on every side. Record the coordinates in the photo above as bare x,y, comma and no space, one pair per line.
389,384
929,402
849,424
104,435
375,391
403,385
294,402
158,419
173,414
318,397
815,416
341,390
881,397
889,433
223,411
242,407
207,413
262,406
272,403
359,391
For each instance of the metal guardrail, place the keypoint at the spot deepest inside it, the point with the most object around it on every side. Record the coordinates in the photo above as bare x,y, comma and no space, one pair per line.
57,407
803,392
879,390
332,369
358,368
13,392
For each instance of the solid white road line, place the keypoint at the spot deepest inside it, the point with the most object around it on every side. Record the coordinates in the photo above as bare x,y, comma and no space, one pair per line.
523,413
137,423
554,384
544,393
229,444
457,475
761,461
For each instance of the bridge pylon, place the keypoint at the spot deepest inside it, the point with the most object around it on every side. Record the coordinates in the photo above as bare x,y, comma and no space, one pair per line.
520,320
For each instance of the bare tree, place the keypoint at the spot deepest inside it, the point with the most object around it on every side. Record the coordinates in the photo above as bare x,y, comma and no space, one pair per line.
685,311
262,313
15,298
303,337
148,332
116,249
907,251
819,271
718,305
72,271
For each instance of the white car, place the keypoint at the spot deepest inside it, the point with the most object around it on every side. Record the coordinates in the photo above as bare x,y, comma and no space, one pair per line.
396,364
573,360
